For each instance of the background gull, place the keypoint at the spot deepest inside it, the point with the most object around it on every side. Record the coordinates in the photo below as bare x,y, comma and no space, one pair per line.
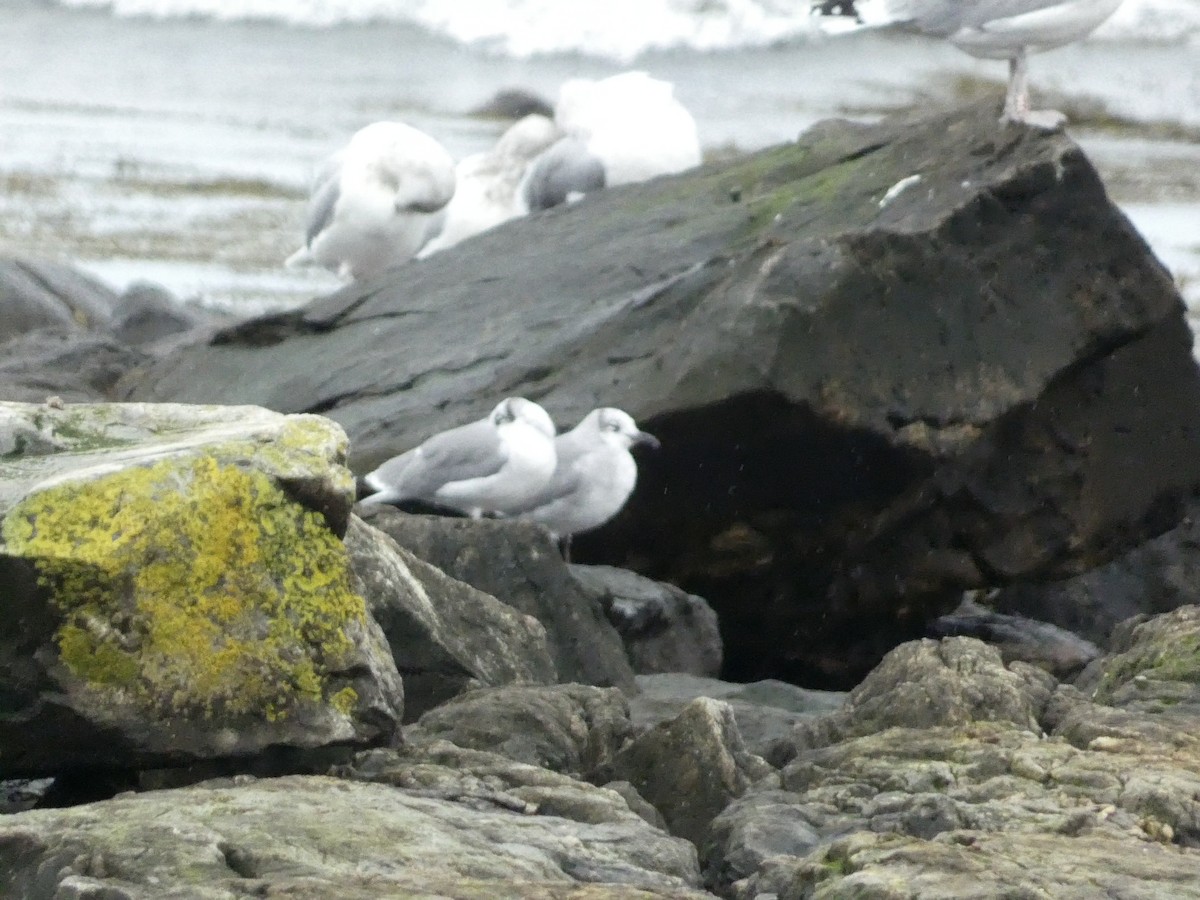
373,202
594,477
487,184
990,29
562,174
497,464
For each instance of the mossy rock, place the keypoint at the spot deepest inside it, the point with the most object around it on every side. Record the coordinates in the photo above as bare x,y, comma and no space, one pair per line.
169,583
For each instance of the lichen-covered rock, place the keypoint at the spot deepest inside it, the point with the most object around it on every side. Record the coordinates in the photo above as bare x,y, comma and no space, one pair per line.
445,635
518,564
571,728
177,590
663,628
317,837
691,767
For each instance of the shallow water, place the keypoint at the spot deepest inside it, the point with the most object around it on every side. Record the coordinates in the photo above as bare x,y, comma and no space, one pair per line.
179,150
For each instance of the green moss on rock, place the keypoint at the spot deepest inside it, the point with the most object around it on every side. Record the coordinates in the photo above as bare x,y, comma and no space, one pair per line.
193,587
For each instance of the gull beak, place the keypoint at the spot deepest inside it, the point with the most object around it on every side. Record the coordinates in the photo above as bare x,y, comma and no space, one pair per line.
645,437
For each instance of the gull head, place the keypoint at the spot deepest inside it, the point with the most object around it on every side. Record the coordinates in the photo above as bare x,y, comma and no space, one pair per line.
616,427
513,411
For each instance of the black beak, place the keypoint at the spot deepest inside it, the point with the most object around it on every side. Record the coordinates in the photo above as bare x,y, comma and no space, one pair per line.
645,437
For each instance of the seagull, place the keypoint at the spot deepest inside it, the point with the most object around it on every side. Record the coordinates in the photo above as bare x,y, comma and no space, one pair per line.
990,29
594,477
497,464
488,184
372,203
632,123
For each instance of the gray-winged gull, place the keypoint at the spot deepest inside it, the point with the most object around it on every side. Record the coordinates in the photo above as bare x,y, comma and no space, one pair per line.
496,464
594,477
991,29
488,184
373,202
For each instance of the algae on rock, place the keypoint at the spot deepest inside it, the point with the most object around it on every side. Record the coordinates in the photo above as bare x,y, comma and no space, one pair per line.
183,584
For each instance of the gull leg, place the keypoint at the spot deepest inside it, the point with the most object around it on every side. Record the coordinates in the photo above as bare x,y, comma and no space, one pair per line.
565,544
1016,102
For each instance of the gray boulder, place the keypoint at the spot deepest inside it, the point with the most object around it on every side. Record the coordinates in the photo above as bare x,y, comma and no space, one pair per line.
445,636
178,591
519,565
873,391
68,363
766,711
569,728
663,628
692,767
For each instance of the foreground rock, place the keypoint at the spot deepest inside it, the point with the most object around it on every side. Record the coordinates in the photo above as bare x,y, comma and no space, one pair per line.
869,399
519,565
177,590
314,837
950,774
445,636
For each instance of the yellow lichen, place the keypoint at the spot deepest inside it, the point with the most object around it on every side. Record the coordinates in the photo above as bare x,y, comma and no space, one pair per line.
193,587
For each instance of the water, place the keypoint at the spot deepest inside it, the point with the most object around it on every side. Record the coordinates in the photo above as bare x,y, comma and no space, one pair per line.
179,148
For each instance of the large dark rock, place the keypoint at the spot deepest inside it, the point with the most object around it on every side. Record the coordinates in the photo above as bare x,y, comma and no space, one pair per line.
869,399
518,564
68,363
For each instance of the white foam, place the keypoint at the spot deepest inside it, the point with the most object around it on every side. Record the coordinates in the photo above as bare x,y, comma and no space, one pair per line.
619,30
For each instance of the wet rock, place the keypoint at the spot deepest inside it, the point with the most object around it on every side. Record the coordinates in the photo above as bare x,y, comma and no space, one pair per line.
868,400
316,837
36,294
570,728
691,767
663,628
518,564
1041,644
445,636
766,711
514,103
178,590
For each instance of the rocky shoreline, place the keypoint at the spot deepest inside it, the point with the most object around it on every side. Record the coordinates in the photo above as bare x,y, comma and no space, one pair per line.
875,392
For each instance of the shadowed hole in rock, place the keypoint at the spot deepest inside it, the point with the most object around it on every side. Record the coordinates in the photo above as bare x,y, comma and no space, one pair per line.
750,503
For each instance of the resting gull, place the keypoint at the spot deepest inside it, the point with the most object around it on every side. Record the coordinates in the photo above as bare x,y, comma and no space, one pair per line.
373,202
594,477
488,184
562,174
497,464
632,123
990,29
